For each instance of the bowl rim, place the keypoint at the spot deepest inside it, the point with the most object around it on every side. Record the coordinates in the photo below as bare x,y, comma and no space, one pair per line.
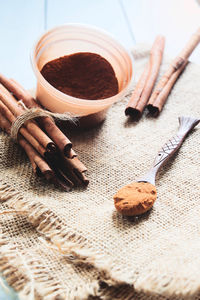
70,99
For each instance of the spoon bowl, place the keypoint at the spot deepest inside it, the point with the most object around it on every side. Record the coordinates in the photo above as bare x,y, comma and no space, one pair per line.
138,197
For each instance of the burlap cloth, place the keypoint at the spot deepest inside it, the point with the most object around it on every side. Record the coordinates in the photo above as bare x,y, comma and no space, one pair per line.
59,245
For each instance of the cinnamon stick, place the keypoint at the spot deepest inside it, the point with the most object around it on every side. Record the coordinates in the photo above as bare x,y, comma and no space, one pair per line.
67,170
34,157
4,123
131,108
164,86
63,143
156,107
77,168
146,83
39,165
11,118
73,167
36,160
32,127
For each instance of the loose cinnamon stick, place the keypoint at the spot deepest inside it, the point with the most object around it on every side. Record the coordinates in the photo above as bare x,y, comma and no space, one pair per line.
32,127
164,86
156,107
63,143
146,83
131,109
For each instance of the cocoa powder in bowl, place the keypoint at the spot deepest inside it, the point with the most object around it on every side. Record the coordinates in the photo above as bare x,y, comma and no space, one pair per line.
82,75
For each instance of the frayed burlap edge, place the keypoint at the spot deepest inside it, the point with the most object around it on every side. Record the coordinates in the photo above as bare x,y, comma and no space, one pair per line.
75,249
25,273
55,236
29,279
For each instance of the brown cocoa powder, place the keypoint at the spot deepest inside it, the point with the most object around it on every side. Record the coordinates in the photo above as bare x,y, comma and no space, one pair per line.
82,75
135,198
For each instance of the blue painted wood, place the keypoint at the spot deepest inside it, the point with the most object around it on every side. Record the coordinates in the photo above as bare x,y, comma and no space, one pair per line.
8,293
177,20
21,22
106,14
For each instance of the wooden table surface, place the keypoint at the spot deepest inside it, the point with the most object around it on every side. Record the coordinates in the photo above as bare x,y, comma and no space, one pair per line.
129,21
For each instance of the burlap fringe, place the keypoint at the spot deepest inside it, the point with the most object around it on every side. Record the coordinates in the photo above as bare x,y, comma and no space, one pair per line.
74,249
123,292
12,269
29,278
7,192
71,246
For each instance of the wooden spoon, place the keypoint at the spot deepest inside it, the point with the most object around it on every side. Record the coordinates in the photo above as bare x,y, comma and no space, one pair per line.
138,197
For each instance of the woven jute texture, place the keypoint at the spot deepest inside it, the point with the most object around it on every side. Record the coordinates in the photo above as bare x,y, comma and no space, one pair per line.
58,245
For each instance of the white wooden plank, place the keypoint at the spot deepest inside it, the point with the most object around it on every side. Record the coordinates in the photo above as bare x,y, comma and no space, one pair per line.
107,14
176,19
20,24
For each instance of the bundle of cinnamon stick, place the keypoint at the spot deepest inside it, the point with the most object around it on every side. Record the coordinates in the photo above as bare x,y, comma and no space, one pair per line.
48,149
143,97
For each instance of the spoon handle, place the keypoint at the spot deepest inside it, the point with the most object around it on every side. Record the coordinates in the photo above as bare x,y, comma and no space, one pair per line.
186,124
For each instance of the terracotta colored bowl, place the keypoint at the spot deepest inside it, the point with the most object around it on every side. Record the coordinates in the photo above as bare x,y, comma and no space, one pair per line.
72,38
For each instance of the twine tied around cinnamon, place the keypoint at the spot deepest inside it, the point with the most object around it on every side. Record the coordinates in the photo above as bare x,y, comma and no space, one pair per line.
33,113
